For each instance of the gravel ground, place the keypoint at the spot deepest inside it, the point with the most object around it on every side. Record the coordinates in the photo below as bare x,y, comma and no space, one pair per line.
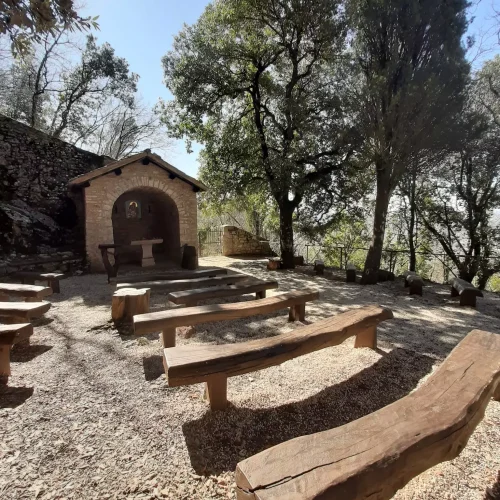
88,413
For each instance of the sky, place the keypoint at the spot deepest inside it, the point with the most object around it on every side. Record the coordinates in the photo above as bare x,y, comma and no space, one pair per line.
142,31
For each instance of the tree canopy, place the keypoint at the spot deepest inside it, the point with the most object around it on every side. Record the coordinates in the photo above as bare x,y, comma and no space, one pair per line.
259,83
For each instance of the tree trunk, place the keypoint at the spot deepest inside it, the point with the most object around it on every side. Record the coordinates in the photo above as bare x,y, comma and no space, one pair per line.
286,235
411,232
372,263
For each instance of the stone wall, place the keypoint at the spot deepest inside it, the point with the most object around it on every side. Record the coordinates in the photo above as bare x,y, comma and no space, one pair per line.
236,241
37,214
101,195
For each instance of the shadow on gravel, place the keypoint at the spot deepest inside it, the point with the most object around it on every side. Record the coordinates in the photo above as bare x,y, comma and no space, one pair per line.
153,367
12,397
23,354
219,440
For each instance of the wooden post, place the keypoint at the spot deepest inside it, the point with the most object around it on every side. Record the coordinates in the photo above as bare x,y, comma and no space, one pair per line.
291,314
54,284
168,337
454,293
367,338
260,295
216,392
4,363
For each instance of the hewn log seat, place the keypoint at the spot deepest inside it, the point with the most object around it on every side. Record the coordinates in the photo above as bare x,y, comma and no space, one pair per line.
30,277
374,456
167,321
127,302
414,282
177,285
10,335
466,291
319,267
19,312
213,364
384,275
30,293
350,273
192,297
167,276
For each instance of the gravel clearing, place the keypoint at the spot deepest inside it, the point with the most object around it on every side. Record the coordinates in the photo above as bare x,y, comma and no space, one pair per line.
88,413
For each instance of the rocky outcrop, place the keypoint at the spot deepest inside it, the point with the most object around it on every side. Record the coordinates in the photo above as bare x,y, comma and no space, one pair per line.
37,214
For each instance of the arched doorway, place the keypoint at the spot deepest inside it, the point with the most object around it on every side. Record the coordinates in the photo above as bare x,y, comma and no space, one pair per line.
146,213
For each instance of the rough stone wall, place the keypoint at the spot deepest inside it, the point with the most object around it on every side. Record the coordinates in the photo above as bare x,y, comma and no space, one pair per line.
236,241
36,213
103,191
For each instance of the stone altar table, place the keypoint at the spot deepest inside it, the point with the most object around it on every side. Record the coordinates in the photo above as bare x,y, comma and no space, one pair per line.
147,251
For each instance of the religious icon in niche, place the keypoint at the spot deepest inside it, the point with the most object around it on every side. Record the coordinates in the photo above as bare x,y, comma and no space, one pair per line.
133,209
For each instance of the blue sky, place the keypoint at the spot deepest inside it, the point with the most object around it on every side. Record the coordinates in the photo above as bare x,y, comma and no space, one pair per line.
142,31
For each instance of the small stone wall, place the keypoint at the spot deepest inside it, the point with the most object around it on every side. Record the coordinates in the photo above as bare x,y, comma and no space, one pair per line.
236,241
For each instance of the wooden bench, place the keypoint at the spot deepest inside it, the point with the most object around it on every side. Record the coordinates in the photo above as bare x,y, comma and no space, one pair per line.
30,293
414,282
127,302
167,321
213,364
30,277
350,273
192,297
466,291
178,275
177,285
376,455
384,275
10,335
319,267
20,312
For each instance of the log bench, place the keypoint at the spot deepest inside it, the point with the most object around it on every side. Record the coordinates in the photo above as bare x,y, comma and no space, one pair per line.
192,297
10,335
167,321
466,291
213,364
414,282
350,273
319,267
30,277
376,455
177,285
127,302
21,312
30,293
383,275
177,275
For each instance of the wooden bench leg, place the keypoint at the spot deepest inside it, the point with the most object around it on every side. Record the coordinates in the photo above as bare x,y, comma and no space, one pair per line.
54,284
216,392
467,300
4,297
415,290
297,312
168,337
4,363
13,320
367,338
454,293
260,295
31,299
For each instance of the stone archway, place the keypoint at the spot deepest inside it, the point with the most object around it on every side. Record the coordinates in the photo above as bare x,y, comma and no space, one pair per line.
146,213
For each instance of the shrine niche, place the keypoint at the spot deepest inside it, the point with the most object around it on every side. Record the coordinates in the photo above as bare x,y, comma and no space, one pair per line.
135,199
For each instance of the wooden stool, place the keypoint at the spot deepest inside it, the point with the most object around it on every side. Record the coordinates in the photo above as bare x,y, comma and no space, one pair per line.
127,302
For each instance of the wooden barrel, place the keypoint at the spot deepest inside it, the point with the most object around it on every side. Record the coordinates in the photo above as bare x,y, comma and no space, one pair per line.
189,258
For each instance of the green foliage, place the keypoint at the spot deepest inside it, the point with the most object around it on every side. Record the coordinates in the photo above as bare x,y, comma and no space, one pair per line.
350,234
258,83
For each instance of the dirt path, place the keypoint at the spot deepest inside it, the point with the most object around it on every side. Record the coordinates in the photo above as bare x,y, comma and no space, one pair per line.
88,413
